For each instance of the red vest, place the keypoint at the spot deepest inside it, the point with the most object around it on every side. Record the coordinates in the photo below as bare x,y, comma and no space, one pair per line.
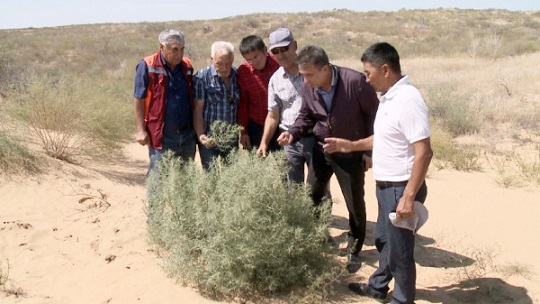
156,95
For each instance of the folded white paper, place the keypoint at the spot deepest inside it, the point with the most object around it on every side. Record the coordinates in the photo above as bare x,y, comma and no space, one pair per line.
414,222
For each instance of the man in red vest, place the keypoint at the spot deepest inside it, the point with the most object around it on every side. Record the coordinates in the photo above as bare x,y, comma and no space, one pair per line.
163,104
163,100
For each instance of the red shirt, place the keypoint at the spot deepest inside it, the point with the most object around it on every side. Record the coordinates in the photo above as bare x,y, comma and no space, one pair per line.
254,92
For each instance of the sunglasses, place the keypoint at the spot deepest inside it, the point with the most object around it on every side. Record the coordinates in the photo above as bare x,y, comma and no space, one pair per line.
281,49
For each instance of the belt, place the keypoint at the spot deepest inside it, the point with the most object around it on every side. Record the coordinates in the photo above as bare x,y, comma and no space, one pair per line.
384,184
173,130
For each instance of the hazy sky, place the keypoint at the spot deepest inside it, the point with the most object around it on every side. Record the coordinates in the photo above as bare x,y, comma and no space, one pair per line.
46,13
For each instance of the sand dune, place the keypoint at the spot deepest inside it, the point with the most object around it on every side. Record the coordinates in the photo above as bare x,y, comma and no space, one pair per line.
77,235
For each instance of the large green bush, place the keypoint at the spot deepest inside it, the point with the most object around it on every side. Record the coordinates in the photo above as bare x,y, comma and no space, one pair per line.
238,230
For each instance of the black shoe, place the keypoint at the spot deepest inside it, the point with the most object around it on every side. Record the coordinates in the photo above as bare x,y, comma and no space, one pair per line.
353,263
364,290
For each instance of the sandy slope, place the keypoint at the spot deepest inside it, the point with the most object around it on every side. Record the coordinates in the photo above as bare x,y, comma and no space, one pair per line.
77,235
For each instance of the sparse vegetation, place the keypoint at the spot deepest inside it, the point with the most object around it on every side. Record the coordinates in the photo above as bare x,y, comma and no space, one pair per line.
69,120
4,276
6,286
454,112
529,166
79,90
16,157
241,233
448,154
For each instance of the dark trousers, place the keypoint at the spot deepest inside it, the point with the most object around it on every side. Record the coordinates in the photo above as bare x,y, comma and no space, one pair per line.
349,170
255,132
208,155
396,248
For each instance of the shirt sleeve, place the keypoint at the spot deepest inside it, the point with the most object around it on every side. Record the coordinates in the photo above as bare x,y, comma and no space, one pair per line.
243,105
272,95
141,80
198,86
369,104
303,122
414,120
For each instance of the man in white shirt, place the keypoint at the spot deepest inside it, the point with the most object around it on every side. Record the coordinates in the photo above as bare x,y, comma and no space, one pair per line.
284,102
401,157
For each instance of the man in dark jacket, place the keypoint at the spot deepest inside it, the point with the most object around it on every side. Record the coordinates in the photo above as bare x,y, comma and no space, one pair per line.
337,103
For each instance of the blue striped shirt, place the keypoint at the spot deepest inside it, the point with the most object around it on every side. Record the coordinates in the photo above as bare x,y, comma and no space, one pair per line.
219,103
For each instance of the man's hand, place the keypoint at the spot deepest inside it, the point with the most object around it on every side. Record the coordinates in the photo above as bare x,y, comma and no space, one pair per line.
368,162
245,142
263,150
333,145
405,208
285,138
209,143
142,138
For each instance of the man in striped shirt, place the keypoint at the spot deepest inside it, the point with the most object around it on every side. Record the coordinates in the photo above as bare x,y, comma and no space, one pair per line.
216,98
253,77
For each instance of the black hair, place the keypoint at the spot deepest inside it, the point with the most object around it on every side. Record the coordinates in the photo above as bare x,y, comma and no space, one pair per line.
250,44
380,54
311,54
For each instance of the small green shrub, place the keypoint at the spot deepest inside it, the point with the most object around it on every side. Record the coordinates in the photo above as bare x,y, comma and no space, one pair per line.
15,157
4,276
453,111
238,231
449,155
506,176
529,168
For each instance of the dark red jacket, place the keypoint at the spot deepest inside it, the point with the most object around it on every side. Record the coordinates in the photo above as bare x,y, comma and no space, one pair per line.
156,96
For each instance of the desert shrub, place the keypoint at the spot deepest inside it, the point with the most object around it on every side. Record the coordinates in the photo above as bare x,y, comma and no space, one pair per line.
223,134
16,157
237,230
517,169
453,111
529,166
6,285
450,155
4,276
72,118
12,73
507,174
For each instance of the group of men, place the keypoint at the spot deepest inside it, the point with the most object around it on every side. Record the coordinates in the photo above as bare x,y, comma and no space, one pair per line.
324,116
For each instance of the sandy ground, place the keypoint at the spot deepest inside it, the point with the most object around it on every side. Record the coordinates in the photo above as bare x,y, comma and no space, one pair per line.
77,235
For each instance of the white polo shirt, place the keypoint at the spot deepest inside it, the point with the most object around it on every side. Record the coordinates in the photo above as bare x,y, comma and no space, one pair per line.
402,119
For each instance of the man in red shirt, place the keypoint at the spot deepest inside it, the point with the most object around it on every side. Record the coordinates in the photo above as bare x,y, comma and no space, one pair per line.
253,77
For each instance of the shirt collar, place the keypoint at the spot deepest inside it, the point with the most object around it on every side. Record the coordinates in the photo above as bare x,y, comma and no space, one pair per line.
213,70
164,62
395,88
286,73
334,79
